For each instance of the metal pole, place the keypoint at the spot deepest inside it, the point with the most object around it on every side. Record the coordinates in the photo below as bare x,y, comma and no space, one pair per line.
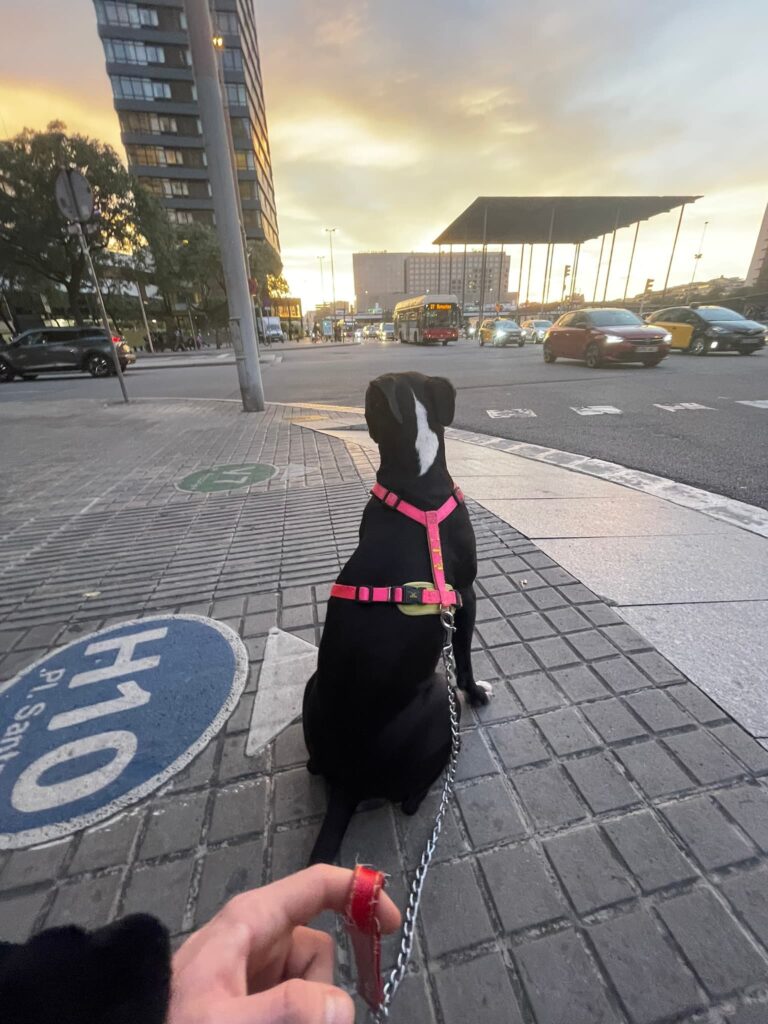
439,268
520,276
78,230
696,258
481,306
501,268
610,255
674,246
450,268
528,284
631,260
144,316
550,258
333,273
464,280
599,264
226,204
576,256
322,278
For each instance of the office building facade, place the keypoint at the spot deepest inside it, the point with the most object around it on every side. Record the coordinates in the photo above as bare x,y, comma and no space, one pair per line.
382,279
149,65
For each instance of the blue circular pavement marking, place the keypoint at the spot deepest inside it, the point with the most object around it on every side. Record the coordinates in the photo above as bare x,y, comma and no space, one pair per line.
99,724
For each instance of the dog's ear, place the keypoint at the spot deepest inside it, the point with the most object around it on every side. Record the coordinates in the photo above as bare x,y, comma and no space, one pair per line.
387,385
442,395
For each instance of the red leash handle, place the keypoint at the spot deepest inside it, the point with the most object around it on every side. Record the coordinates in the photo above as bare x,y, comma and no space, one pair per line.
365,932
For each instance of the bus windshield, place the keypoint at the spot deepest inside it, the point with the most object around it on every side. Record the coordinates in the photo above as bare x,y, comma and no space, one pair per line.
439,317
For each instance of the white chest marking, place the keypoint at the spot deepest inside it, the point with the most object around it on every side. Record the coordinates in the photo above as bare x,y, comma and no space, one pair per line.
427,444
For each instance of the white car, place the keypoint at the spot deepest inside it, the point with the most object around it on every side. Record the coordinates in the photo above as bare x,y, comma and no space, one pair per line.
386,332
534,330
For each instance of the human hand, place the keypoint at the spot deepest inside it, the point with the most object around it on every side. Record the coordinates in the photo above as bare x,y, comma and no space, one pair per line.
255,962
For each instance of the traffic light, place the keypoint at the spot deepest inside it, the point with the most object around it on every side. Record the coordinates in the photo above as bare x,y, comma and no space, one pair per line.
649,285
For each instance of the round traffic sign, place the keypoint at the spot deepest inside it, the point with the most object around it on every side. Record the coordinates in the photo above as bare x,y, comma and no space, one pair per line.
101,723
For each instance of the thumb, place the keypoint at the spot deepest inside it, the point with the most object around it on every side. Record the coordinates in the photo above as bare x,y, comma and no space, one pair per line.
294,1002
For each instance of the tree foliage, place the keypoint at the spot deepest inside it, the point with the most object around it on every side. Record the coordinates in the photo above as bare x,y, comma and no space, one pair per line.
34,244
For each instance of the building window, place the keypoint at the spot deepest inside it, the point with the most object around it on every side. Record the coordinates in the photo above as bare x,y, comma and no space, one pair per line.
126,88
128,15
181,216
226,22
251,220
232,60
235,95
126,51
244,160
155,156
248,189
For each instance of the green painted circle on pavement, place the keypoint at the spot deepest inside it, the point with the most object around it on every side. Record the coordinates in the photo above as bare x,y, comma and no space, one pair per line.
227,478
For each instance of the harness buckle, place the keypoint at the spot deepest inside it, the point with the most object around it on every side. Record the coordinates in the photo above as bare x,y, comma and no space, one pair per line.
368,595
412,594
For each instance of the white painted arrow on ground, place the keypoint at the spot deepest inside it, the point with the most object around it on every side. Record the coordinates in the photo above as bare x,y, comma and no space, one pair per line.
684,407
289,661
507,414
759,403
597,410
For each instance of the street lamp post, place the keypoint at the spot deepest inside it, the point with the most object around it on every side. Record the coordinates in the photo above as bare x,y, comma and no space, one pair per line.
331,232
322,278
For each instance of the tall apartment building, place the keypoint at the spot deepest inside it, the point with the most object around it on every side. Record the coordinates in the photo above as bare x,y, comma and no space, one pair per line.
757,275
150,69
382,279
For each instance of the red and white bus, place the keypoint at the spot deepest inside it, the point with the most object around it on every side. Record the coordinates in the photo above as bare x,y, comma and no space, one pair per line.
428,318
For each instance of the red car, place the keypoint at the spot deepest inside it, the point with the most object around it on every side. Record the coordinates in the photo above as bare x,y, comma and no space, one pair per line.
605,336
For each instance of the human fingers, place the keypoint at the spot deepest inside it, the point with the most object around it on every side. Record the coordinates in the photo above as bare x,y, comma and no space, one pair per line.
297,899
293,1002
311,956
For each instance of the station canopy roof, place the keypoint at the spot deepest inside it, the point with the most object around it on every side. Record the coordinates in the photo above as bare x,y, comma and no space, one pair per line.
515,219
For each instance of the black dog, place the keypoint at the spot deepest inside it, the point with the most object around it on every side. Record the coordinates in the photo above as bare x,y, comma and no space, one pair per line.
376,714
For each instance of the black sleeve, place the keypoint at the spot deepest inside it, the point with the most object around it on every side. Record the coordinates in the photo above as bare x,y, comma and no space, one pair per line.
120,974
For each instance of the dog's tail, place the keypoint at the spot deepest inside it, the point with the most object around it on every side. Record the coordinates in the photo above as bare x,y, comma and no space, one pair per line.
341,807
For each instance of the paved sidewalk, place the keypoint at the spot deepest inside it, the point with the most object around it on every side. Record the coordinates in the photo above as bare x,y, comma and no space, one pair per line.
606,856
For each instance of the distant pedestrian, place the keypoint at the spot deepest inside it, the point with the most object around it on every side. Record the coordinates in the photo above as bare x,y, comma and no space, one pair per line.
198,341
178,340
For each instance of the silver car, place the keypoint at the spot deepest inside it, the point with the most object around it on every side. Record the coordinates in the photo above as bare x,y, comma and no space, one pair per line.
534,330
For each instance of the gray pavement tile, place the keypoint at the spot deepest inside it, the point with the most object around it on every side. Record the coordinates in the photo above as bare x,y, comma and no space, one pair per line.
105,845
487,610
567,732
613,721
557,577
697,703
474,758
705,831
496,632
656,667
298,795
653,769
518,744
489,813
371,838
742,746
292,619
415,830
88,903
238,810
713,943
414,1002
748,806
453,913
567,619
478,991
532,626
226,608
513,660
747,891
704,757
579,683
625,638
160,889
18,915
521,888
34,865
588,870
653,987
753,1013
296,596
511,564
546,598
548,798
657,711
226,872
290,748
258,624
291,849
561,981
601,784
537,693
513,604
493,585
175,824
234,763
620,674
575,593
649,852
198,772
552,652
256,603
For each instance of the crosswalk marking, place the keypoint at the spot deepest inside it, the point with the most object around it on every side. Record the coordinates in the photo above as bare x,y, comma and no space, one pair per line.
597,410
684,407
507,414
758,403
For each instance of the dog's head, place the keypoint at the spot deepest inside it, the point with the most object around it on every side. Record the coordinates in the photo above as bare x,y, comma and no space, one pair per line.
406,414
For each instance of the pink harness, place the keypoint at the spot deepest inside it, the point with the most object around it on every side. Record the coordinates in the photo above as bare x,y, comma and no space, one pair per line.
408,593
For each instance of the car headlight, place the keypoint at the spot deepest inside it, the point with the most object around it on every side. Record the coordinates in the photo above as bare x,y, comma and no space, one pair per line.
716,331
499,334
613,339
667,337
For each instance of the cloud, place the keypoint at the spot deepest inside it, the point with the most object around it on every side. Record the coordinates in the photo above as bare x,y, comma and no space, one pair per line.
33,106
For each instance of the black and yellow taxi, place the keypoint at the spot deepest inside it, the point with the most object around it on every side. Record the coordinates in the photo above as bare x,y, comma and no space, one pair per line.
700,329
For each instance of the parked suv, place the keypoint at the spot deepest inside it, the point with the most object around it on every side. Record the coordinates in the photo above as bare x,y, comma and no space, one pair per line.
54,349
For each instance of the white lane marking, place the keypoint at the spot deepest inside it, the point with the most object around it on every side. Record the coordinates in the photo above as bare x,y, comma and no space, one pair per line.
596,410
427,444
507,414
684,407
759,403
289,661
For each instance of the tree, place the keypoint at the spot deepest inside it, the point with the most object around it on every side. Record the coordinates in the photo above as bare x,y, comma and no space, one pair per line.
264,262
34,244
277,286
199,272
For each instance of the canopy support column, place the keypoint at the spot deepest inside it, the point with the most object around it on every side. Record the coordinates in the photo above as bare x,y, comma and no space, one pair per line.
674,246
481,303
631,260
610,255
599,265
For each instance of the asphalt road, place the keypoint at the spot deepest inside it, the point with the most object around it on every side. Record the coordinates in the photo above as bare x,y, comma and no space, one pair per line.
722,447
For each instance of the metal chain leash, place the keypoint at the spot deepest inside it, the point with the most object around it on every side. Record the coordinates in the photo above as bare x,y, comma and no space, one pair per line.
392,984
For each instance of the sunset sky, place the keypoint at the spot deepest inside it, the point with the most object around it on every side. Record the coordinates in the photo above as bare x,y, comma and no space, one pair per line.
387,119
